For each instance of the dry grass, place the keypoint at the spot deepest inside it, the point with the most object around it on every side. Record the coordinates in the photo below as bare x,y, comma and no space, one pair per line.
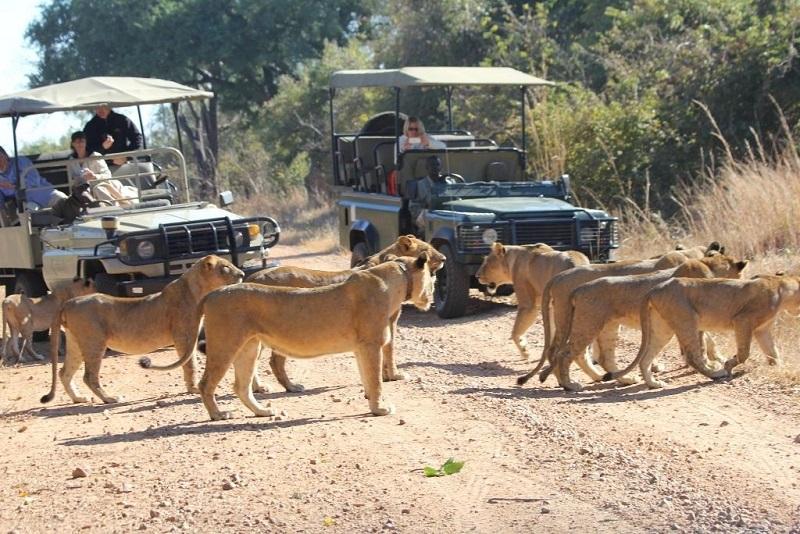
750,207
306,219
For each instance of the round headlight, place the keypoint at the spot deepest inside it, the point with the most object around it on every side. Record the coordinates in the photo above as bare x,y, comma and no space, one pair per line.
145,249
489,236
239,238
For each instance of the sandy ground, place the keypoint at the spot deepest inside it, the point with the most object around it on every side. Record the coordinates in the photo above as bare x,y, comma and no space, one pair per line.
697,456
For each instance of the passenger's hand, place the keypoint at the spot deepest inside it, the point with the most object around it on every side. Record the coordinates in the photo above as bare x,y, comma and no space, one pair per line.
88,174
108,142
425,141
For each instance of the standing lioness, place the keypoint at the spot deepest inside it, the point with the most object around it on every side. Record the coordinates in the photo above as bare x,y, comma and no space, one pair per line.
528,268
304,323
135,325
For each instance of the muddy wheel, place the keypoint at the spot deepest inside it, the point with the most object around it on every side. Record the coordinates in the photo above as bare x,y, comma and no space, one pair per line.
452,286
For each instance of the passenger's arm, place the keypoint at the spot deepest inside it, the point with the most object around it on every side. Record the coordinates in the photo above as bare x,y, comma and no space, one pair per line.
133,135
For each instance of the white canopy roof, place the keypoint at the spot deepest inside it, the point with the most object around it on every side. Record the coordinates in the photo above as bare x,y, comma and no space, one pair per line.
87,93
429,76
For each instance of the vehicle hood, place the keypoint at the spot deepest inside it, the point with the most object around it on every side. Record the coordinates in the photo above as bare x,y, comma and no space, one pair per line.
152,218
509,205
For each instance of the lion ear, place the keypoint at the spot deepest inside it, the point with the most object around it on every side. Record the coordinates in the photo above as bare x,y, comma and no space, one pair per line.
422,259
390,257
405,241
714,245
498,248
740,265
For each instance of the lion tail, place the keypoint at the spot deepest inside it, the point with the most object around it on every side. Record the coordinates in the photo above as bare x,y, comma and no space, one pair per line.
646,318
55,343
146,363
6,338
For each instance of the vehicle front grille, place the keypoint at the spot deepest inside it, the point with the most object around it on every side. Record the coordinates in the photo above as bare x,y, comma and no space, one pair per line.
559,235
196,238
600,238
470,238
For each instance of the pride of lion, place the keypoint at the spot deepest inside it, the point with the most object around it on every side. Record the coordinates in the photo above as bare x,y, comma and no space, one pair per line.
303,313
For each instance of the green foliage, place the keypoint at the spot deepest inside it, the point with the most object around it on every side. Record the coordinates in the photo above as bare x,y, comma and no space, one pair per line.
450,467
44,146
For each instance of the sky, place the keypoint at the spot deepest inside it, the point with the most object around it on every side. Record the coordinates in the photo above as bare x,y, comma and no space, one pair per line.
17,60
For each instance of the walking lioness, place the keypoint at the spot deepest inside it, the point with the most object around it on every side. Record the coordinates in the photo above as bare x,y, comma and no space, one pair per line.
528,268
686,307
598,308
292,276
305,323
135,325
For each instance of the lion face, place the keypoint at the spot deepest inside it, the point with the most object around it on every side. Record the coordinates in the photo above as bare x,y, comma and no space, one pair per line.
409,245
494,271
217,272
423,282
724,266
80,287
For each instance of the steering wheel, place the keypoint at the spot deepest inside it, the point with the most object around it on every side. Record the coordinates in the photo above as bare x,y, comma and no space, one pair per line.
457,177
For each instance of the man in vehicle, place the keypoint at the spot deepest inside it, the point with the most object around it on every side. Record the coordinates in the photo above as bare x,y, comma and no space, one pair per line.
109,132
43,198
427,188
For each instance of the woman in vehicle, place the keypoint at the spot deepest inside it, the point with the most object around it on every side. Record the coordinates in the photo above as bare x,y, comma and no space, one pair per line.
91,170
415,138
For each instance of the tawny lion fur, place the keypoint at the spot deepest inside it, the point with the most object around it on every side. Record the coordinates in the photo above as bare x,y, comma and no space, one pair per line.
598,308
94,323
299,277
353,316
528,268
685,307
23,315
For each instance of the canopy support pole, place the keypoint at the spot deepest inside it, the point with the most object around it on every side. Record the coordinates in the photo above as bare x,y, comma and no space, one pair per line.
174,107
336,178
397,125
524,140
141,126
449,90
18,185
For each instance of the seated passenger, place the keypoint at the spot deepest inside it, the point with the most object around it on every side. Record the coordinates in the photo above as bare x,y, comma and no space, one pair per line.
109,132
425,190
415,138
43,198
88,171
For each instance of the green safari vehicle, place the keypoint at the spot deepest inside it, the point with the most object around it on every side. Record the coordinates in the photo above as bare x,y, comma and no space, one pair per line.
488,197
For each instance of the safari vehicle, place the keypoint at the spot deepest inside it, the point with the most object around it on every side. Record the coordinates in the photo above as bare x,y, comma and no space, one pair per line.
128,251
492,199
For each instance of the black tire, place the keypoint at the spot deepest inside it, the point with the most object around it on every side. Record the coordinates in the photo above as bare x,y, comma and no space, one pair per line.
360,252
32,284
452,286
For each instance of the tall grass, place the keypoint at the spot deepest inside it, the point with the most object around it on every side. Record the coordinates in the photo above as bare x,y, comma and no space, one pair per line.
751,206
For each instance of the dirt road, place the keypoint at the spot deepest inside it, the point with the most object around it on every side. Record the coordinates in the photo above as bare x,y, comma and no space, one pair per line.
697,456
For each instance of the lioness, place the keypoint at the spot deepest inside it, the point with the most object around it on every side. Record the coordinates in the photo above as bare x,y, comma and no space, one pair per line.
354,315
686,307
94,323
598,308
556,294
528,268
698,251
289,276
23,315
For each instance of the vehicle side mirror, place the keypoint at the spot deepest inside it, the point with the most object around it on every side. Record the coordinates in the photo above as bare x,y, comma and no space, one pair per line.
225,199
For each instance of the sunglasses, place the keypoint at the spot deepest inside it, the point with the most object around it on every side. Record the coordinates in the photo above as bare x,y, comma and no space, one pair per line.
413,129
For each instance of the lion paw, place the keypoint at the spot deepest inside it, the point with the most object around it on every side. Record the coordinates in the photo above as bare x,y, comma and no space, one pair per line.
656,384
657,367
80,400
292,387
573,386
729,365
192,389
383,409
399,375
259,388
627,380
269,412
112,400
221,416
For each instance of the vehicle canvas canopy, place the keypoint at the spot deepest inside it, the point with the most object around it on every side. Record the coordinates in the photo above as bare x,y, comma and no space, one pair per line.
370,160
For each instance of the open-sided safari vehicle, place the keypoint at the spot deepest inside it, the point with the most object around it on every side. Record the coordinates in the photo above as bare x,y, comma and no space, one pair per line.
492,199
129,251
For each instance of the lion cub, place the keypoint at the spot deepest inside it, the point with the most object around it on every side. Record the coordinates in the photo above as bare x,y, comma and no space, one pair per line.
137,325
528,268
686,307
23,315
